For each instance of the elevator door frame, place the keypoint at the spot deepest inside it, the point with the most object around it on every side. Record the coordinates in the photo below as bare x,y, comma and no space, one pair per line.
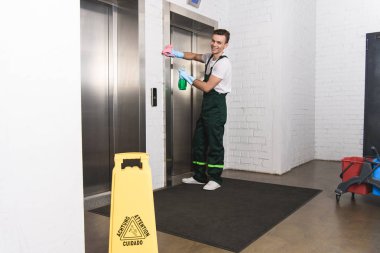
168,9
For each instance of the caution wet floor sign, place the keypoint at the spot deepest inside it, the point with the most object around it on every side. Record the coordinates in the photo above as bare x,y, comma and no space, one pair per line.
133,224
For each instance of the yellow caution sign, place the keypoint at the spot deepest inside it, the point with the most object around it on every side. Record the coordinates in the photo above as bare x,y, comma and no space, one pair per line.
133,224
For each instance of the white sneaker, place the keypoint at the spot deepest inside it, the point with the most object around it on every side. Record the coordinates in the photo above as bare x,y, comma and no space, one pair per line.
190,180
211,185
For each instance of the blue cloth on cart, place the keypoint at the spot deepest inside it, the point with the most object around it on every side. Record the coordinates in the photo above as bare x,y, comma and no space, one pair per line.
376,176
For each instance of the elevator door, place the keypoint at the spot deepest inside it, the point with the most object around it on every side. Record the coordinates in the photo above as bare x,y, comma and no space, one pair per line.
181,105
112,97
372,95
186,104
96,89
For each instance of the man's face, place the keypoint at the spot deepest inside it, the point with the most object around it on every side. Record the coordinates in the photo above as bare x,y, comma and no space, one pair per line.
218,43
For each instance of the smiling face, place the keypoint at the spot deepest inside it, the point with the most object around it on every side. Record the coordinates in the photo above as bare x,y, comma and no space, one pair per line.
218,44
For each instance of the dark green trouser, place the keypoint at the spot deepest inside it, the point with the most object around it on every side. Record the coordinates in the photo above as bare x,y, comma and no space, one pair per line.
208,150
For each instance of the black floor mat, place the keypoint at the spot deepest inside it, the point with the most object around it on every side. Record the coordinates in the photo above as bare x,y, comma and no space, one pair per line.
231,217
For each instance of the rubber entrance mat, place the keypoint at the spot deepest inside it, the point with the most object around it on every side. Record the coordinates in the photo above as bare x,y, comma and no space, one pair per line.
231,217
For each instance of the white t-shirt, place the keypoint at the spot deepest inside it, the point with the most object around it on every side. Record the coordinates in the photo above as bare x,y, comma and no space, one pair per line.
221,69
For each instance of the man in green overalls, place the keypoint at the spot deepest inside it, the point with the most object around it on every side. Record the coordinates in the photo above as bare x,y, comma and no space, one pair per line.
207,149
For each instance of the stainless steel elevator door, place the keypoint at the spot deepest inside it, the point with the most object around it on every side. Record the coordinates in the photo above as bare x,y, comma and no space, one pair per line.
182,40
95,96
127,111
187,103
113,110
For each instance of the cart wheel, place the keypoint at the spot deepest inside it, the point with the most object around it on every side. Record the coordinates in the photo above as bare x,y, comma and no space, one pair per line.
352,196
337,196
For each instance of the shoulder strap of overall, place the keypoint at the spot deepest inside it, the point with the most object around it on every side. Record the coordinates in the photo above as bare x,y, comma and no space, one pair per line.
209,59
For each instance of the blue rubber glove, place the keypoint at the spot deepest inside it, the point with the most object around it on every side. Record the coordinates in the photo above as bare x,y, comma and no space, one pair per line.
170,52
178,54
182,74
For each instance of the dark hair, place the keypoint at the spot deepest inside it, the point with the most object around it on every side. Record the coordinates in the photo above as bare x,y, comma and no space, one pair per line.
222,32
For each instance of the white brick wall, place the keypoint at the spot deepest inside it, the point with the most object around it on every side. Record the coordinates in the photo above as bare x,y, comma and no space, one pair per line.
249,125
297,27
340,75
271,108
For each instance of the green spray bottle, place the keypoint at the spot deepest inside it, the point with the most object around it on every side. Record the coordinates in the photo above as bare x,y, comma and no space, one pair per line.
182,84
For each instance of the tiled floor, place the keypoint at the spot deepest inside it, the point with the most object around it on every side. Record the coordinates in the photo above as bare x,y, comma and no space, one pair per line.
322,225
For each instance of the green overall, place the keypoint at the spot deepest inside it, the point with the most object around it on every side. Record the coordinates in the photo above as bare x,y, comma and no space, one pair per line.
208,150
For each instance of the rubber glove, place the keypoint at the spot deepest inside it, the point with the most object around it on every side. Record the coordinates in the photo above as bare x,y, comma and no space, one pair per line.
170,52
182,74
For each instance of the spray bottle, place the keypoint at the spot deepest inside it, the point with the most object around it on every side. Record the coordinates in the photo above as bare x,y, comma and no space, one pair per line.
182,84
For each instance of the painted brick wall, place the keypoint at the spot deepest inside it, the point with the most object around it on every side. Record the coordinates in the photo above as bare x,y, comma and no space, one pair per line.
340,75
271,108
297,49
249,126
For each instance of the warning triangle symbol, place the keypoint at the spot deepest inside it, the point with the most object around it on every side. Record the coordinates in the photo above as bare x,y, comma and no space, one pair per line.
132,232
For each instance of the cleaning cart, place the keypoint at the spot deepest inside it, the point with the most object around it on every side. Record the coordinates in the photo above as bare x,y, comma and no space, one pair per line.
360,175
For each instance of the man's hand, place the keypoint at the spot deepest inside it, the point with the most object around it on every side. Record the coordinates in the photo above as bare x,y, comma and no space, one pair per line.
182,74
170,52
